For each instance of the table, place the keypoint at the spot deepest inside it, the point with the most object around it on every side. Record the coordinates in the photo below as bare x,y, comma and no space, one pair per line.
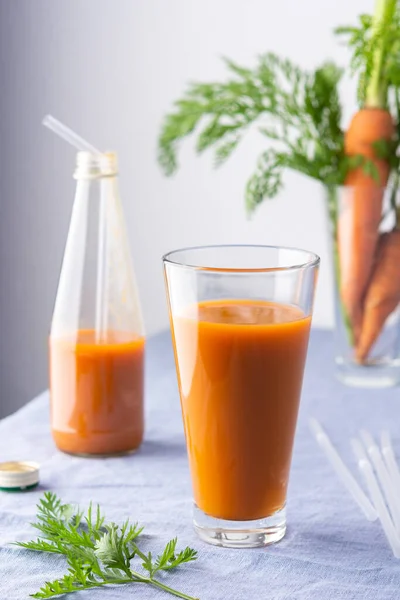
330,550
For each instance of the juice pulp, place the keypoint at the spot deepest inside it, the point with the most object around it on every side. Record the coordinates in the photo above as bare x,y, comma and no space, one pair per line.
97,392
240,369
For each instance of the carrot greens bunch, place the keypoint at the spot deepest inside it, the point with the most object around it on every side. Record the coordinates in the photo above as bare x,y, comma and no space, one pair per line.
299,114
297,111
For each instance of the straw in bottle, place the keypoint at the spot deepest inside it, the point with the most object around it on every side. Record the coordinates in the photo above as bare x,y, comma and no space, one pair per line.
82,145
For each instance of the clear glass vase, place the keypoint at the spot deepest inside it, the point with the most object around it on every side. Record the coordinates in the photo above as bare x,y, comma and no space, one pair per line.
365,245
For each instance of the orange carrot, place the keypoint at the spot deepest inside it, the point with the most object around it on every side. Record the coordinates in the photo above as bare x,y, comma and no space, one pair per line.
383,293
361,209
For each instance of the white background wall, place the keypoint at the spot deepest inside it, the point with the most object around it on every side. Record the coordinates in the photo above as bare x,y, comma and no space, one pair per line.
111,69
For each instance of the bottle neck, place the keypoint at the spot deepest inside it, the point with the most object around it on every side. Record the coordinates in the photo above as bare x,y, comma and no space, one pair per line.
96,166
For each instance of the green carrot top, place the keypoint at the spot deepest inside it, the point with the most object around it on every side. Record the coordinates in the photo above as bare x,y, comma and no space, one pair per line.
297,111
375,45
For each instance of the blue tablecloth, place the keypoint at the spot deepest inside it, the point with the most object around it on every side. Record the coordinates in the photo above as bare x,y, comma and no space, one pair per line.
330,550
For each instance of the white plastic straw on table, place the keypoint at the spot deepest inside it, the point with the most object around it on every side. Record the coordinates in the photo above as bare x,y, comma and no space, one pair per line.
68,135
385,479
390,460
376,496
342,471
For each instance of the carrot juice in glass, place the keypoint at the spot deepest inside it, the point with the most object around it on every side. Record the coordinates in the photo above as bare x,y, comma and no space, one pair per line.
240,320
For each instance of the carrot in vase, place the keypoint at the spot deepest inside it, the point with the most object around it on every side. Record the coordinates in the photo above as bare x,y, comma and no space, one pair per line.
383,293
361,210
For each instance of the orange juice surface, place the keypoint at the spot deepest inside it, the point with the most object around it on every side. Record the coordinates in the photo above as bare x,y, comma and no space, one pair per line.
240,370
97,392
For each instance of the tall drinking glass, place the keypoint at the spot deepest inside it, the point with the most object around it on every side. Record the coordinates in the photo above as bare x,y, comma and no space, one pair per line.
240,320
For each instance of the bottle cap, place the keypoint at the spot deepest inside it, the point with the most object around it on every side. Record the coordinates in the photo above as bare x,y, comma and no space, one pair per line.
94,166
18,476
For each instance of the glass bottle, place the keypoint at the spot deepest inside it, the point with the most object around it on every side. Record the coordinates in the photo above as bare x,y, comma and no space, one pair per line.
97,342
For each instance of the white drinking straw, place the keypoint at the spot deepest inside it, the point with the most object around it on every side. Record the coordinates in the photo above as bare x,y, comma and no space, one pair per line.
342,471
385,479
390,460
102,271
81,144
68,135
376,496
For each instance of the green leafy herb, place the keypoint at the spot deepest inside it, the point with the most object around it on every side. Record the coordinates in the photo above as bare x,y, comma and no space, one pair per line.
298,112
375,45
98,553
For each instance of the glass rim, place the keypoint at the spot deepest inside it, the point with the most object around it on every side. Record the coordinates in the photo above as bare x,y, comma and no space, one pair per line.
314,259
342,186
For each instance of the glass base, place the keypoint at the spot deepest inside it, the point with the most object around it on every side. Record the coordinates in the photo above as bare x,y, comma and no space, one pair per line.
100,455
240,534
374,376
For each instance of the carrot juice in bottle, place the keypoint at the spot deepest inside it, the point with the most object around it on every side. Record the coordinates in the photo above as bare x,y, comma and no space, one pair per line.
97,343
